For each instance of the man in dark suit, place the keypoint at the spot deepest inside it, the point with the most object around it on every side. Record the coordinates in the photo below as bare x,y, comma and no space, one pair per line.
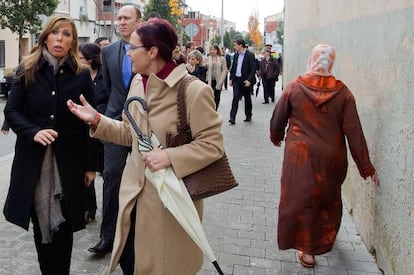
228,64
242,78
117,73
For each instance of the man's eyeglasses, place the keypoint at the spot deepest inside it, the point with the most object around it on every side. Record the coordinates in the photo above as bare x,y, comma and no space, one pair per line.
132,47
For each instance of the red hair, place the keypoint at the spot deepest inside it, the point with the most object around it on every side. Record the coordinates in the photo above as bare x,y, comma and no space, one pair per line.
158,33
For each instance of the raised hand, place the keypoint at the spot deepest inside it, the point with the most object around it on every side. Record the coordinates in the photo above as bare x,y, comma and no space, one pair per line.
85,111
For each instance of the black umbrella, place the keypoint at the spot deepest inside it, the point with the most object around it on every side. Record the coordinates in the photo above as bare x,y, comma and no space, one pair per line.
257,89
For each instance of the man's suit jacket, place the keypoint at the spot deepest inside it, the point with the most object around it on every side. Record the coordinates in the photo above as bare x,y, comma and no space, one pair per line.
228,61
112,56
248,68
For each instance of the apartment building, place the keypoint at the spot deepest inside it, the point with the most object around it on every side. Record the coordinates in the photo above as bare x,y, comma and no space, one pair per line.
272,24
202,28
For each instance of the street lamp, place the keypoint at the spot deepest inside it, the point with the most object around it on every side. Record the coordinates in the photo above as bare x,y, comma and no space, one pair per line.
222,25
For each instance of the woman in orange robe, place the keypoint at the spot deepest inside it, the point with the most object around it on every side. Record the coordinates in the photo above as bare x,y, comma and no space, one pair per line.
321,113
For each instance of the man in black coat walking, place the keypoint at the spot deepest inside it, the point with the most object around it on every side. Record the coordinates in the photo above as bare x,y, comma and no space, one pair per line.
242,78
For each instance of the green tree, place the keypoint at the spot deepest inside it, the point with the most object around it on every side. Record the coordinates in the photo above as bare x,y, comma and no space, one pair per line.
163,8
22,16
216,39
229,38
248,40
185,37
171,10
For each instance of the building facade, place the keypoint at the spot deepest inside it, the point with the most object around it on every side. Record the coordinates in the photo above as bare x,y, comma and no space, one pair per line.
9,50
201,28
272,25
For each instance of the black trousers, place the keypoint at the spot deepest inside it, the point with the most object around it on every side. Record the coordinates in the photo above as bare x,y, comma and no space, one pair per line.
54,258
114,163
269,89
239,91
127,260
90,198
217,93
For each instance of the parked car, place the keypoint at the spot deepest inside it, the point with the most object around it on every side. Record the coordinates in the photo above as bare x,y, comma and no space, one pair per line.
6,83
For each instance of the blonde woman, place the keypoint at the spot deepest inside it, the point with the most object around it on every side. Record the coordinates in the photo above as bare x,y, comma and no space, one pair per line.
195,65
54,156
216,72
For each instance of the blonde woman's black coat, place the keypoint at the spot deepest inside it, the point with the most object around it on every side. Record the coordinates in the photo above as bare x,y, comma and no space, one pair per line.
42,105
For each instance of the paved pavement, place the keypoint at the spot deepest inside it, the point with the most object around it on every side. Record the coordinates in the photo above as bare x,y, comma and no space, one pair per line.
240,224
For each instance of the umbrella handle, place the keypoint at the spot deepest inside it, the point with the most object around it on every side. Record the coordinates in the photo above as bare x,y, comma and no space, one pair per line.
137,98
216,265
128,114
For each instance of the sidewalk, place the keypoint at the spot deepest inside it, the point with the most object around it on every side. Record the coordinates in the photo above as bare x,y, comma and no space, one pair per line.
240,224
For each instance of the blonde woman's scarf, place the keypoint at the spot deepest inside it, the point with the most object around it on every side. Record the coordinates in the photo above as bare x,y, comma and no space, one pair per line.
47,197
53,60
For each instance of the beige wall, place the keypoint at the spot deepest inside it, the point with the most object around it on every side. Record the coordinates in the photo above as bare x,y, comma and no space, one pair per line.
11,49
374,40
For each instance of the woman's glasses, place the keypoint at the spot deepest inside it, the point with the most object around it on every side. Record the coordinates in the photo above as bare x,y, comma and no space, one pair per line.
132,47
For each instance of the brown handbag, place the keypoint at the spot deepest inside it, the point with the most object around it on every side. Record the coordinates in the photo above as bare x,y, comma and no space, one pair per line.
212,179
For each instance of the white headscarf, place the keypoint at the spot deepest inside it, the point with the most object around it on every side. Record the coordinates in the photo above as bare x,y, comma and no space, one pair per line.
321,60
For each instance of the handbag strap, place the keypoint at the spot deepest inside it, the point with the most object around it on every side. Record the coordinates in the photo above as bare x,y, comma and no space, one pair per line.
182,126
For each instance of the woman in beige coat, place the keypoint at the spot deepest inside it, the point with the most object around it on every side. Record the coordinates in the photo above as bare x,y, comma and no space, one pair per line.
216,72
148,238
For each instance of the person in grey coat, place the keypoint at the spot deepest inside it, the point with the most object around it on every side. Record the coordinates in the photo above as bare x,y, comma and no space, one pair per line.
242,78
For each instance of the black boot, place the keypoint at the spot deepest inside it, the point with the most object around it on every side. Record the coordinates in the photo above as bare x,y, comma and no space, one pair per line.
102,248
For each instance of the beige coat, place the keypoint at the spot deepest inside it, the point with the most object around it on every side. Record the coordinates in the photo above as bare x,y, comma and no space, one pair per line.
161,245
221,71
